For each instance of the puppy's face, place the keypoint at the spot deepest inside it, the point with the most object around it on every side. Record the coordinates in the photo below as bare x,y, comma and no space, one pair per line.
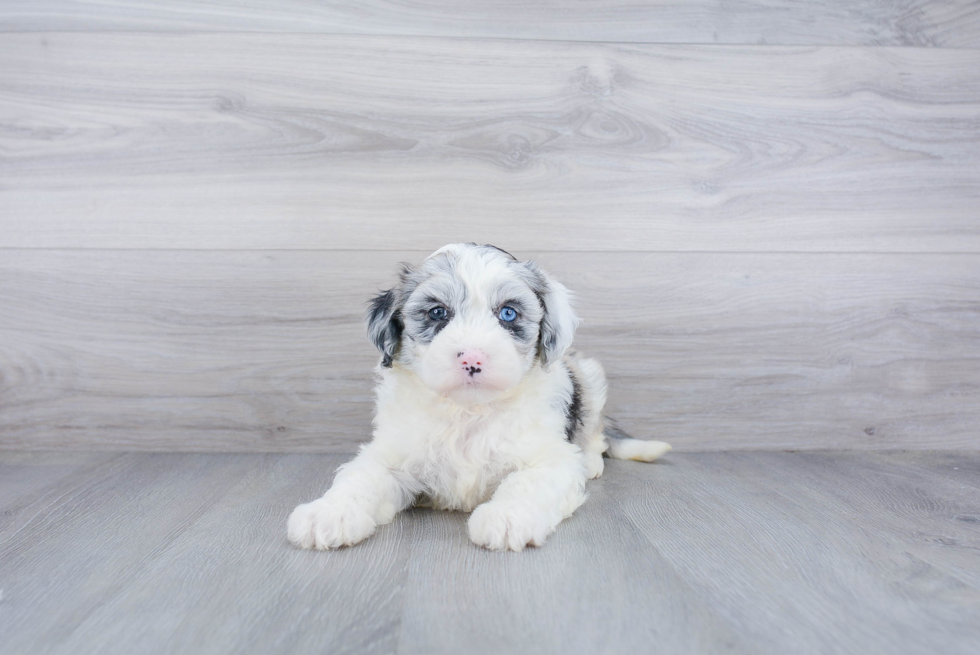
471,321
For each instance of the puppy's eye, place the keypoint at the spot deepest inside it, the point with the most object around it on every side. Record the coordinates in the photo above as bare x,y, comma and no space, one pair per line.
438,313
507,314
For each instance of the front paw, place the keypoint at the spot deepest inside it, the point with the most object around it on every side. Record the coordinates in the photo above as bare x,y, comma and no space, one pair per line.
498,526
329,523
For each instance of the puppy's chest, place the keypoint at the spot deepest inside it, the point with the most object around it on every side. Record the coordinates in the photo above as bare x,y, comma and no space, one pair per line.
459,464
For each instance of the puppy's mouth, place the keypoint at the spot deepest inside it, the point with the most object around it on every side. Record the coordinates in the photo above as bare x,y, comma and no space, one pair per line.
472,384
474,393
475,380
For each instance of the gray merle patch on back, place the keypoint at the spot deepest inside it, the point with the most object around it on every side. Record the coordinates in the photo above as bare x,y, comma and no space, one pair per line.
573,410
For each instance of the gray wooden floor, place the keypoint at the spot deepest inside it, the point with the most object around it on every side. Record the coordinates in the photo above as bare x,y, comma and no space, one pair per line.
826,552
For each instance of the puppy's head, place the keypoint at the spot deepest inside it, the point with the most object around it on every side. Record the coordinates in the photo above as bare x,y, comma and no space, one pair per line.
471,321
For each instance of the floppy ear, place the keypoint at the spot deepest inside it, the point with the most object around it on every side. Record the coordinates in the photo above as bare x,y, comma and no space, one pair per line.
384,325
559,321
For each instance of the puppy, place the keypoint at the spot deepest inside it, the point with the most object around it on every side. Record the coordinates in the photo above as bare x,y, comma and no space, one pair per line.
479,407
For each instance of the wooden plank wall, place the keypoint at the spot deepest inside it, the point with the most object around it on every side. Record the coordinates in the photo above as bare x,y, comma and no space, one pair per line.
937,23
770,214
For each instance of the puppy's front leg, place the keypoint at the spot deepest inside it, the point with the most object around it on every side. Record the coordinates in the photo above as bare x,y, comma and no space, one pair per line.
365,494
529,504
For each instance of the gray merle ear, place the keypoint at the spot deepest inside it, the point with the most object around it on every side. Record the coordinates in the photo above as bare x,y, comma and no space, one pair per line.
384,324
559,321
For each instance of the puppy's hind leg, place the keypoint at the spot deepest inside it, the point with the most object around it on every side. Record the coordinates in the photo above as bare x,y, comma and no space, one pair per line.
589,434
365,494
600,434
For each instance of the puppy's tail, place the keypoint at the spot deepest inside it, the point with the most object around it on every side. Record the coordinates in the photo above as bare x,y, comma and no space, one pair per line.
623,446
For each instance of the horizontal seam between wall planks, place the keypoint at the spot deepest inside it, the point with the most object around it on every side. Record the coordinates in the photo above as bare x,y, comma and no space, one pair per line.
442,37
681,449
536,250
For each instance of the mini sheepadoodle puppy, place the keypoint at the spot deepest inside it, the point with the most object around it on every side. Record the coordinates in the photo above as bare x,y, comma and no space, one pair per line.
479,407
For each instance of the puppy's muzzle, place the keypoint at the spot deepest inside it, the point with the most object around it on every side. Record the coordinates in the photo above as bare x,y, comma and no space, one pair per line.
471,361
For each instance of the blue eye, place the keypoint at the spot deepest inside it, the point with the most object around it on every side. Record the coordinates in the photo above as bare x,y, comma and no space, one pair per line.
438,313
508,314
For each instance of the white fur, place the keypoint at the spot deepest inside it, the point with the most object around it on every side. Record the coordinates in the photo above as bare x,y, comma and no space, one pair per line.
493,443
641,451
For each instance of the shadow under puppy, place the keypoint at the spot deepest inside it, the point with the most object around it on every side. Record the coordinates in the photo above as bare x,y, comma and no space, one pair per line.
479,407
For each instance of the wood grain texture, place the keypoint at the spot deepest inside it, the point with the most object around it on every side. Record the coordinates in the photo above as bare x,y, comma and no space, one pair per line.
852,562
255,141
755,553
812,22
595,587
91,540
243,583
952,468
265,351
29,475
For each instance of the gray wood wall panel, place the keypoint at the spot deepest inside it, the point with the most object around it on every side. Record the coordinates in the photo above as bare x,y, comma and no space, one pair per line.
743,553
811,22
385,143
265,351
